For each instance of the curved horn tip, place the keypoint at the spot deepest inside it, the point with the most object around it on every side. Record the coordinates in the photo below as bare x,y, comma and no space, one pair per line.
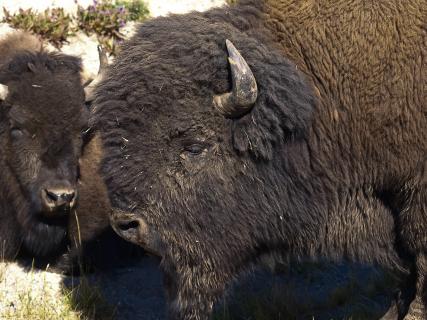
244,92
4,91
230,46
89,96
103,58
90,85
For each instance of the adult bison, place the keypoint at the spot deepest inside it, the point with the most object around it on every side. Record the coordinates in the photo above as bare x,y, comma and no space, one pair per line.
48,202
314,148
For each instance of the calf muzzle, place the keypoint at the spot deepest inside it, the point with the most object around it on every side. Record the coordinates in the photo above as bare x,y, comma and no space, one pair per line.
55,199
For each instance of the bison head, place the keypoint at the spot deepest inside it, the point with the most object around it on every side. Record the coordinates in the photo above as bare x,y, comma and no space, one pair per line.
192,124
42,130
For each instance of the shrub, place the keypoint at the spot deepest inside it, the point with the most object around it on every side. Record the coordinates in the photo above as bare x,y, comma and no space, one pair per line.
53,25
137,9
103,18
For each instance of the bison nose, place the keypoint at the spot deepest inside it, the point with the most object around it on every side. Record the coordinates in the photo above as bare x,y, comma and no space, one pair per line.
128,230
133,227
129,227
59,198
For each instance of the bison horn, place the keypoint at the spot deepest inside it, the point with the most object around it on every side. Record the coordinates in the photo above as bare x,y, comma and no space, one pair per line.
103,63
4,90
103,59
244,93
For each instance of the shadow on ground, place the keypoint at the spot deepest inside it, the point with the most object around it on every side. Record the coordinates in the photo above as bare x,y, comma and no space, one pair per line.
303,291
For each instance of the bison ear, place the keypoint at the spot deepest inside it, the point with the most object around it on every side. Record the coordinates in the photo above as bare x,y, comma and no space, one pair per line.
31,67
65,62
4,90
284,104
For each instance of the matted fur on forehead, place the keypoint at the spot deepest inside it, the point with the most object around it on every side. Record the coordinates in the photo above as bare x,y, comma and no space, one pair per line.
42,61
44,84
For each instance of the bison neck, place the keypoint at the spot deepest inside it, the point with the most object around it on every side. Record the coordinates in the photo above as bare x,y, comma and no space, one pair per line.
364,79
316,215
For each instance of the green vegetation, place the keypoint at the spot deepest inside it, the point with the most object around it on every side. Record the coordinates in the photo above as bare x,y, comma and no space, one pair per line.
53,25
103,18
137,9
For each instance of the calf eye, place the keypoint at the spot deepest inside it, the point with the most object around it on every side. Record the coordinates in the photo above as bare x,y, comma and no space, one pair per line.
16,133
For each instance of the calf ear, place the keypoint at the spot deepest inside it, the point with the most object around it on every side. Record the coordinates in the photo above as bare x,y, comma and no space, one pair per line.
284,104
4,91
67,62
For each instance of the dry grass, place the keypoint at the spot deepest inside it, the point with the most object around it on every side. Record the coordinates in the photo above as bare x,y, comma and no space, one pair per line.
41,295
88,300
32,295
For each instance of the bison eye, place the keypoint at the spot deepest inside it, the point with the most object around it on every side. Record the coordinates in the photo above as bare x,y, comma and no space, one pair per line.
195,148
16,133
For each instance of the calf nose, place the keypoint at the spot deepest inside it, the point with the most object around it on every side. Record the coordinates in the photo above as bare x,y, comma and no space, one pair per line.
58,198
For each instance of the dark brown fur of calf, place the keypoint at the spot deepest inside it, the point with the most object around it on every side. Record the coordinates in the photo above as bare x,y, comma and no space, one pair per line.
43,126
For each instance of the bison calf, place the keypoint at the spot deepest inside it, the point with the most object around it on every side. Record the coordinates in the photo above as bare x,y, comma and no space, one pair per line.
51,197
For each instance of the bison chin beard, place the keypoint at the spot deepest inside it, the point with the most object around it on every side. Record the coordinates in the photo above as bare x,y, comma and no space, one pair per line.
45,237
41,236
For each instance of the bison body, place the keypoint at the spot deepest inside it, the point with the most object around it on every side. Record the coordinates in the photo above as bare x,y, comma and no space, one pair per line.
49,203
328,160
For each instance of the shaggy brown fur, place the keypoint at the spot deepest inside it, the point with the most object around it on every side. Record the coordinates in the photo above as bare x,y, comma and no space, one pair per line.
339,123
43,131
16,42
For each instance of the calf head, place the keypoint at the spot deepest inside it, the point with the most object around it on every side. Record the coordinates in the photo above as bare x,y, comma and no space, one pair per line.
43,122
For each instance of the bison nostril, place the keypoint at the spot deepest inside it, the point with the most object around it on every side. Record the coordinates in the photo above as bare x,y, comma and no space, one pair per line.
59,198
68,197
52,196
124,226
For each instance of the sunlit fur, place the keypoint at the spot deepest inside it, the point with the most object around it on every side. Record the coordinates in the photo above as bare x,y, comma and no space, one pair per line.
329,163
